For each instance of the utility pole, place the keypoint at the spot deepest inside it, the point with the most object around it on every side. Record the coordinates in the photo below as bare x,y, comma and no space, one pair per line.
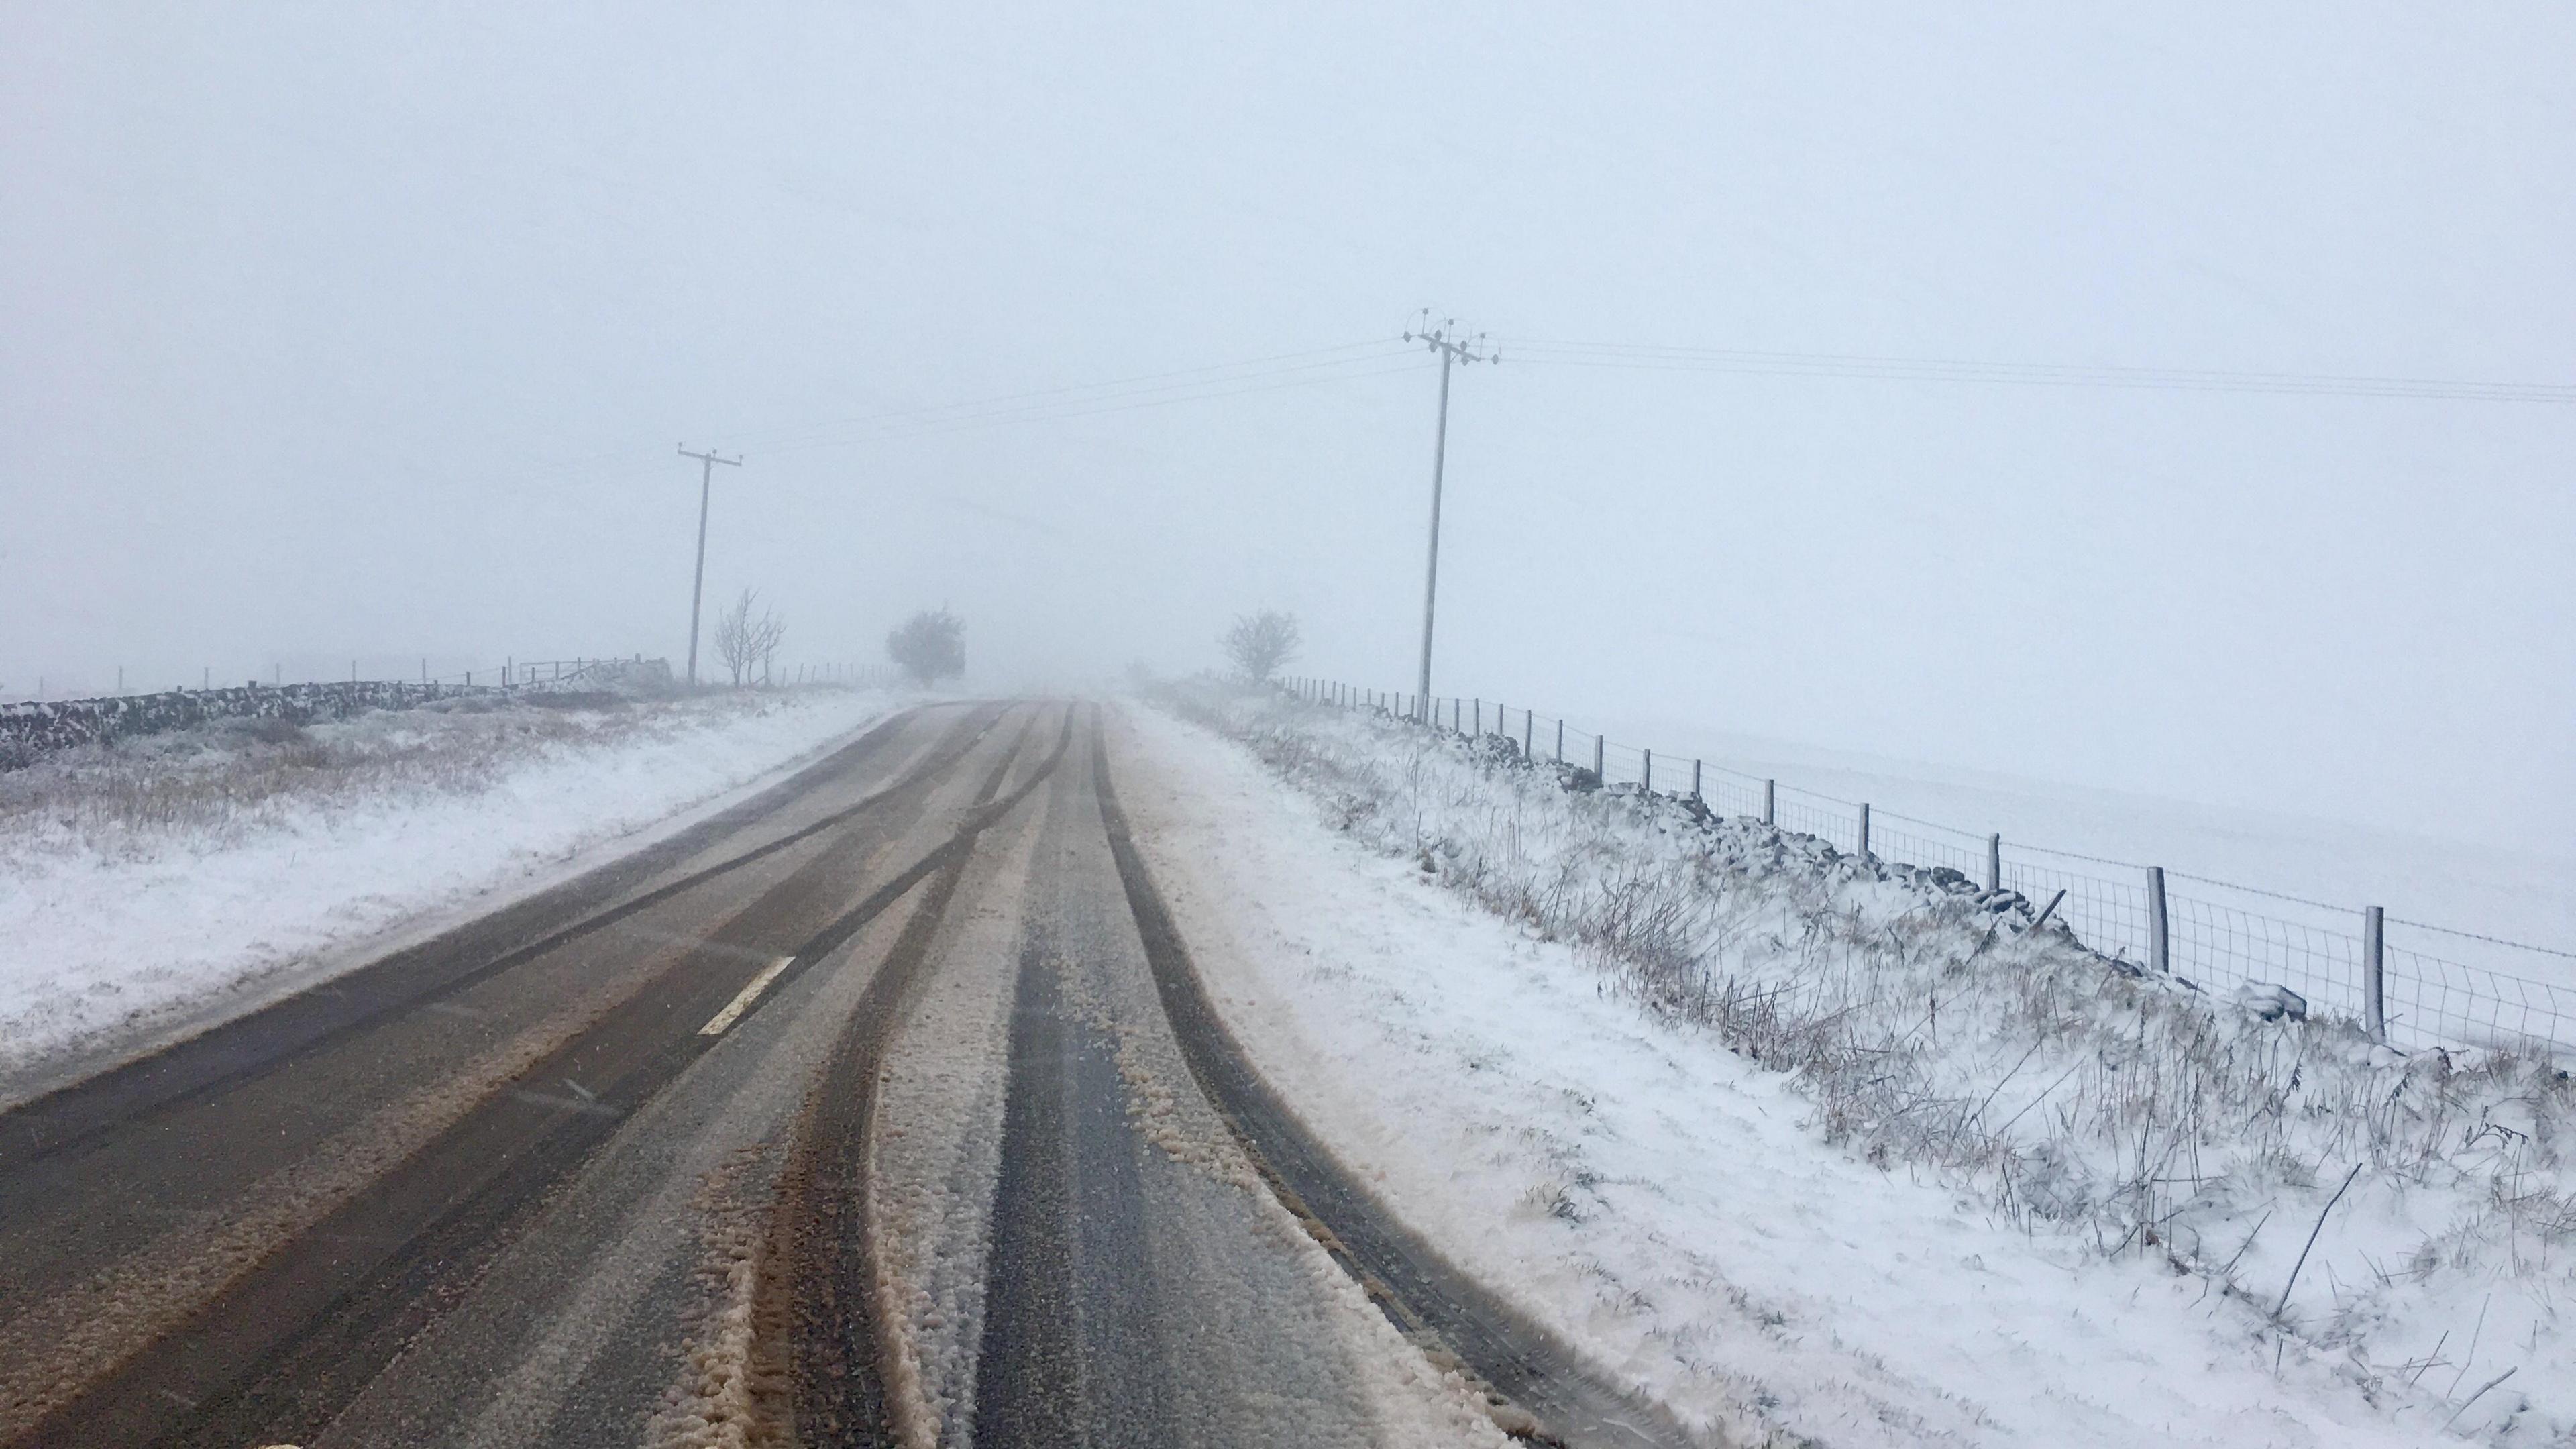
1453,351
697,585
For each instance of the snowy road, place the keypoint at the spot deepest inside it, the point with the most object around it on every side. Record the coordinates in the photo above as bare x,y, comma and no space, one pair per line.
881,1109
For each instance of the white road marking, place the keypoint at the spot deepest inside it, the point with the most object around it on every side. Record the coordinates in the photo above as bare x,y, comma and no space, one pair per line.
741,1003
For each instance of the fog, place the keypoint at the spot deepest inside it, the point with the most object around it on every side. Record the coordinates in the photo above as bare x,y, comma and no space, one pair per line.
343,333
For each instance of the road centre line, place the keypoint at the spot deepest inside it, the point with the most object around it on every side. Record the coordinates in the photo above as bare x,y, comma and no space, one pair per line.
742,1001
694,943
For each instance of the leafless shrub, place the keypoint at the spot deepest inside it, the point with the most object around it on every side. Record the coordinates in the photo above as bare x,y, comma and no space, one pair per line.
930,646
747,642
1258,644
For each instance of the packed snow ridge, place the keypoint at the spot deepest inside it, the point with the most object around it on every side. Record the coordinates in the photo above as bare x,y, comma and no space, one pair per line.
2278,1231
161,882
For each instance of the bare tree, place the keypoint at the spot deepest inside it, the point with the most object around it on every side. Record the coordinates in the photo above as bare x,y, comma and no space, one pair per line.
930,646
746,642
765,640
1259,643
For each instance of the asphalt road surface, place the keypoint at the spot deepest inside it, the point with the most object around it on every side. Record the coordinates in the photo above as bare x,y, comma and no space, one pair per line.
885,1108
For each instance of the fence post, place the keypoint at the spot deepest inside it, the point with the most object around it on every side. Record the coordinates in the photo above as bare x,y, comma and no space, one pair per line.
2374,999
1560,741
1770,816
1528,723
1695,795
1600,776
2159,942
1647,778
1864,828
1480,716
1994,862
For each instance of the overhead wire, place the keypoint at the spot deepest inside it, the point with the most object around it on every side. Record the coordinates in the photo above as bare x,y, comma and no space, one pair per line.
1109,403
1357,360
1181,378
1207,381
1751,362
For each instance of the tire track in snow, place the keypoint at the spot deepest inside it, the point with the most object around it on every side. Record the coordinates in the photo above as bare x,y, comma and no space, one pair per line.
1540,1390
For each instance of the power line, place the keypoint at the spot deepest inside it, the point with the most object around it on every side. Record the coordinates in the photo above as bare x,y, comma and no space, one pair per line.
1107,403
1209,381
1750,362
1210,373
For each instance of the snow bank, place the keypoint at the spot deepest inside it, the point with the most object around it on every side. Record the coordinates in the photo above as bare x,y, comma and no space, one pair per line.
186,874
1807,1144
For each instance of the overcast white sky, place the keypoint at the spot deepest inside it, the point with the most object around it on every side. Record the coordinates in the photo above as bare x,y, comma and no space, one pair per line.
336,331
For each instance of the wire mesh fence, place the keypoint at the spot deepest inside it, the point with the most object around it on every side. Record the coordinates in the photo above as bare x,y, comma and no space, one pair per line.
2432,1000
1920,842
2410,984
1794,811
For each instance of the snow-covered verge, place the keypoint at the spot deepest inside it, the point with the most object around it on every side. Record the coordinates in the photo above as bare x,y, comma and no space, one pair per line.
170,876
1816,1147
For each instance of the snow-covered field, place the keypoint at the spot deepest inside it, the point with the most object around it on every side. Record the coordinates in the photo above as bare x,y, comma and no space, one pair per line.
2500,890
175,879
1809,1147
